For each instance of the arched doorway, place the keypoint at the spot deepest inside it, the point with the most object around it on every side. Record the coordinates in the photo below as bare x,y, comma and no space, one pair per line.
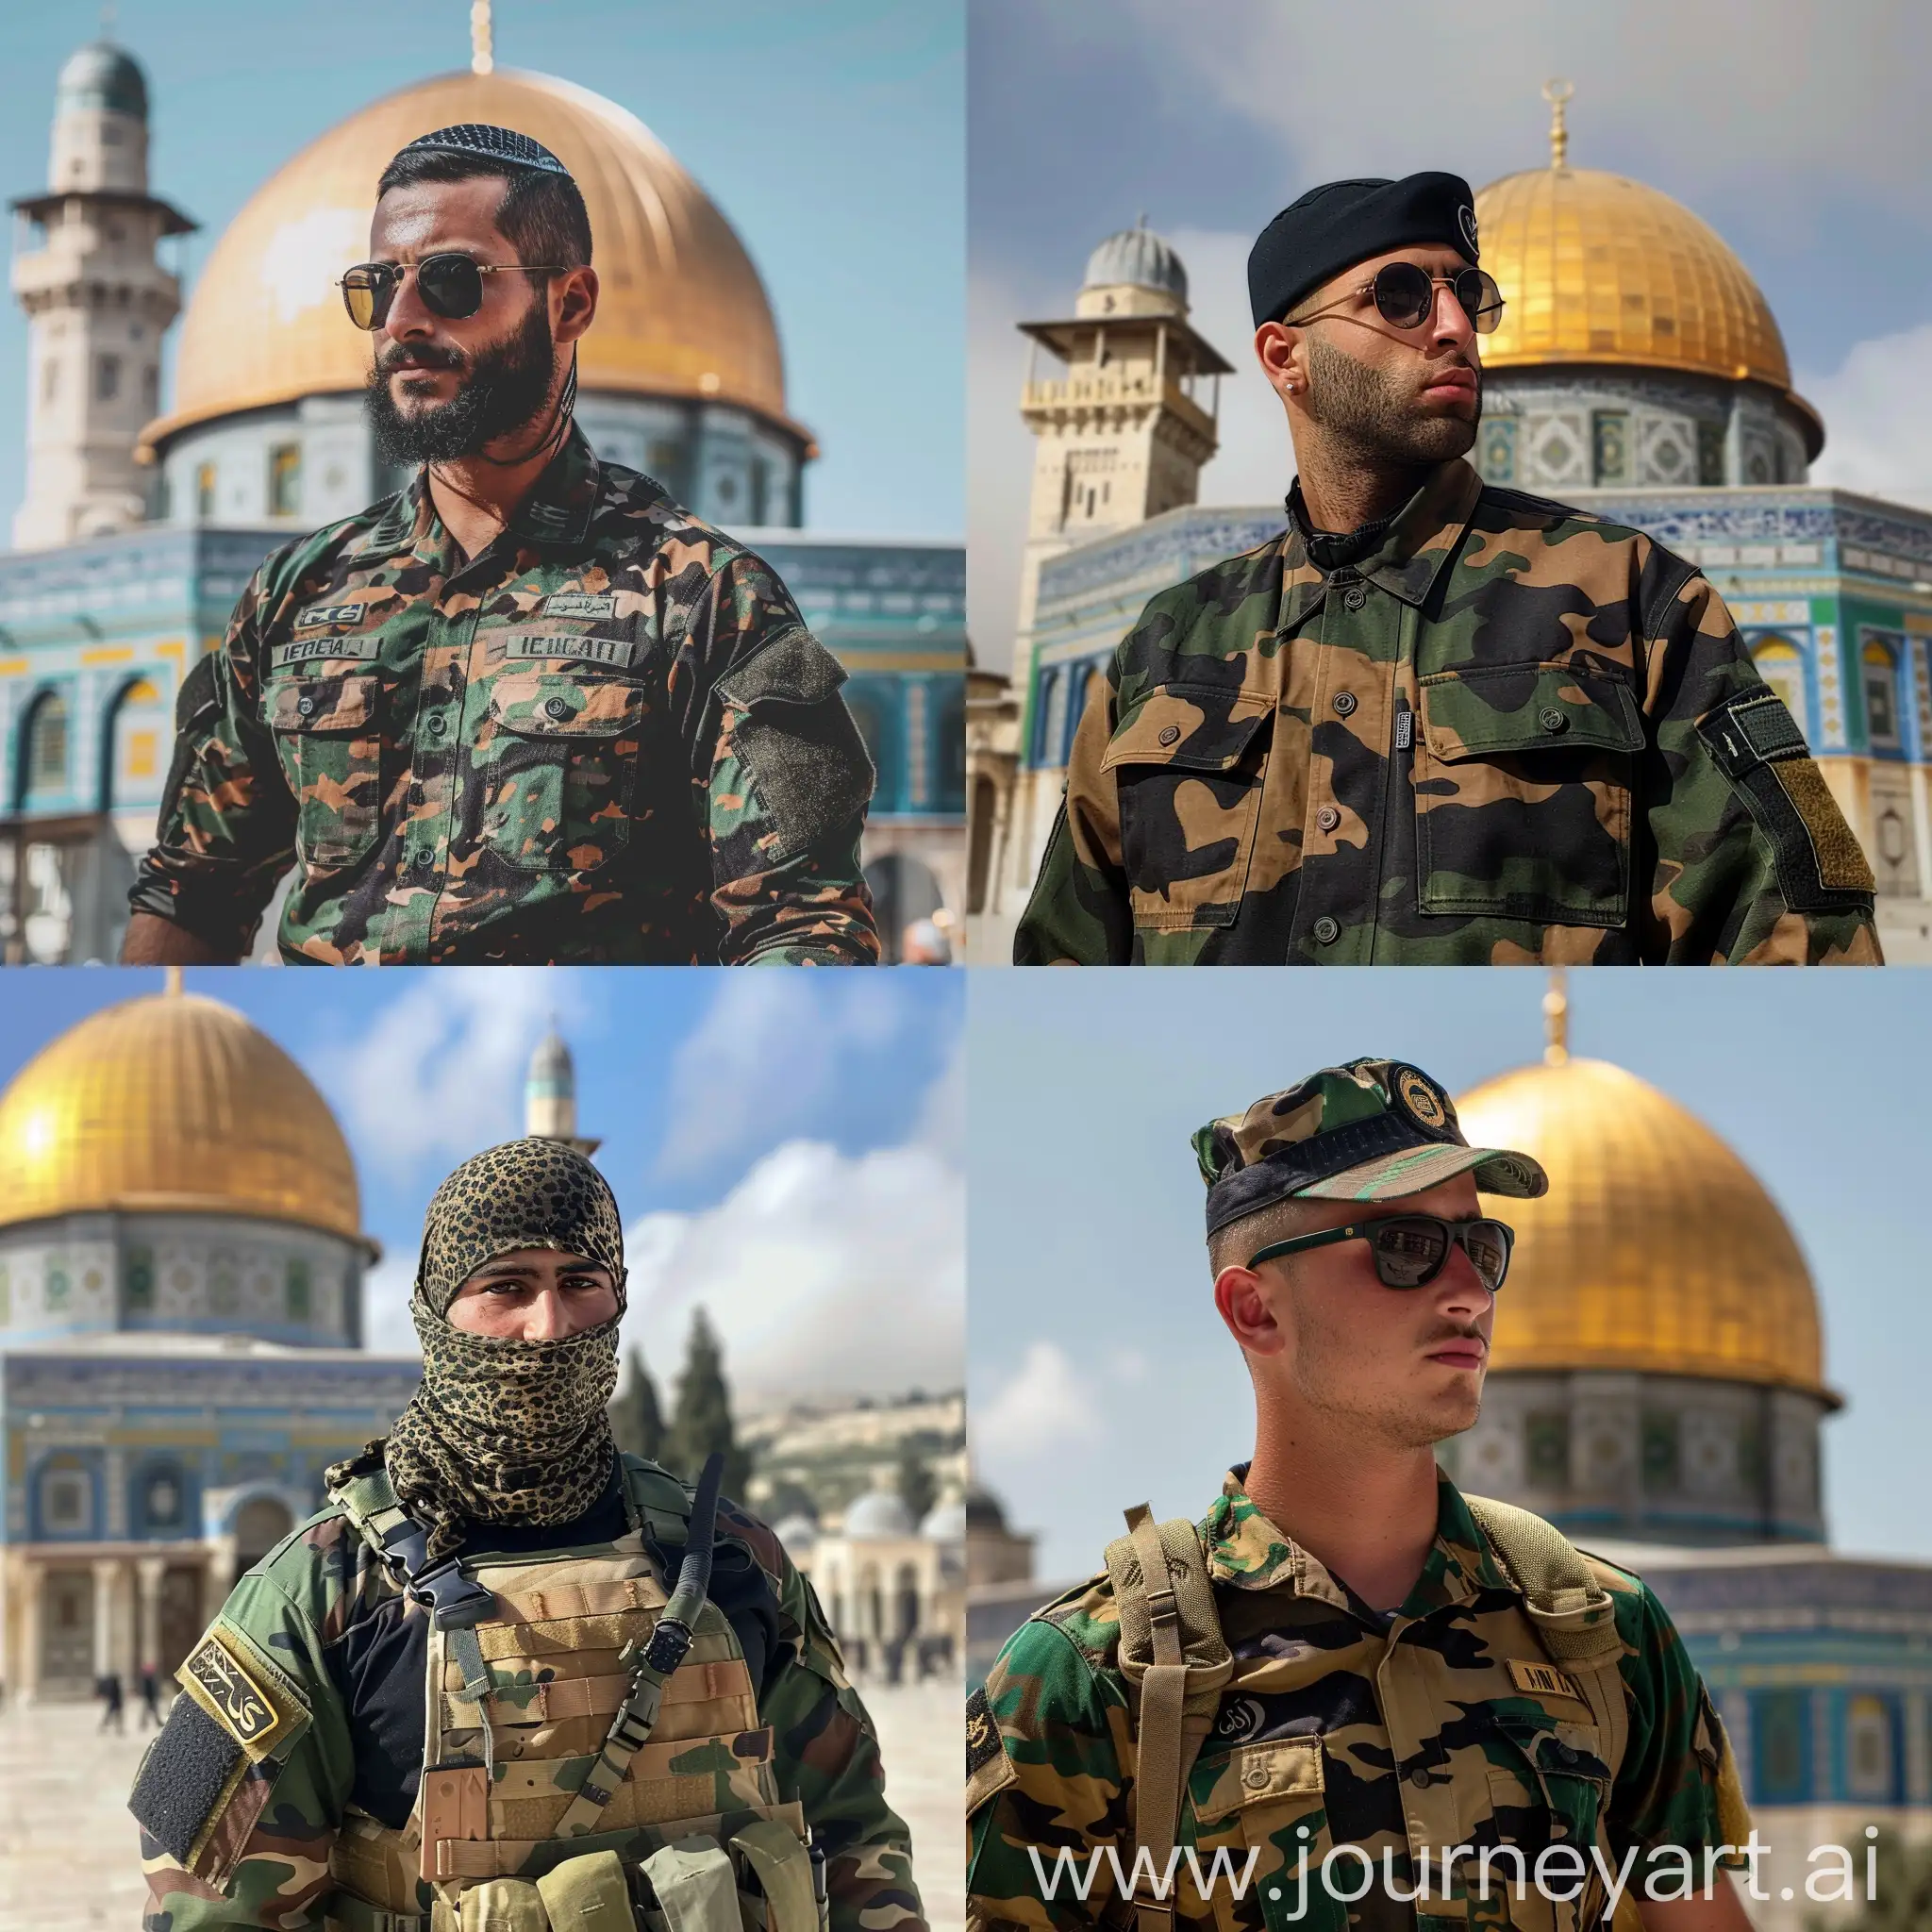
134,736
903,889
45,752
67,1631
260,1524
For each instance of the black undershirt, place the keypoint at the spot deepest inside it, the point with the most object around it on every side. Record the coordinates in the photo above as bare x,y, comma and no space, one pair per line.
378,1662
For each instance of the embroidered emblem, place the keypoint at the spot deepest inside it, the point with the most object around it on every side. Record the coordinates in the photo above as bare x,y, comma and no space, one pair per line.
1545,1680
329,613
1419,1094
580,603
232,1697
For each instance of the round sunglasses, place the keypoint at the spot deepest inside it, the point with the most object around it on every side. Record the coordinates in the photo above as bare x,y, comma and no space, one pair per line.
1410,1250
451,286
1406,297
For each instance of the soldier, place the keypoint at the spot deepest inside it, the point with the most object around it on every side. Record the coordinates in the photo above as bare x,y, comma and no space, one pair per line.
1433,722
1359,1682
587,1742
529,708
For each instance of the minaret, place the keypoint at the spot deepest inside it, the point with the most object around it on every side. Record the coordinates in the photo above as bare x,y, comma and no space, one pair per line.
550,1095
98,304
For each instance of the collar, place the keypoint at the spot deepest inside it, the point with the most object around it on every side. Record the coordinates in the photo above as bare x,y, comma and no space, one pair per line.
1247,1552
1413,548
557,509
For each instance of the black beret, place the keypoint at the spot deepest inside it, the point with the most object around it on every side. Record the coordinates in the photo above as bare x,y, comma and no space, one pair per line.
1341,223
479,138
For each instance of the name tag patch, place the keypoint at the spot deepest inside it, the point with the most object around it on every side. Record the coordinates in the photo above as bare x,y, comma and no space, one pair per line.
580,603
1545,1680
230,1695
304,650
329,613
526,643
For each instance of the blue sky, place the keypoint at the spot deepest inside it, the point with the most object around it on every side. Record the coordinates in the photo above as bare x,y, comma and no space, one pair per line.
1794,127
783,1146
832,136
1084,1223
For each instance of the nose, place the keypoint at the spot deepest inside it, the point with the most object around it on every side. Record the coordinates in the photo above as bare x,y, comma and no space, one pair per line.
409,318
1463,1289
546,1320
1449,322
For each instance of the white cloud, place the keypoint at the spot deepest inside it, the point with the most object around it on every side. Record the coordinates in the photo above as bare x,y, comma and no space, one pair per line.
824,1274
943,1112
1044,1409
1877,411
781,1037
439,1071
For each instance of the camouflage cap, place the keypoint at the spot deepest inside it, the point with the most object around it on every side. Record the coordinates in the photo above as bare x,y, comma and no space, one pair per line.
1372,1130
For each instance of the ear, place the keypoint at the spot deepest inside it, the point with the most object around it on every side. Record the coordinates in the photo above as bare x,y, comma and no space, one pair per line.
1245,1300
1282,353
576,299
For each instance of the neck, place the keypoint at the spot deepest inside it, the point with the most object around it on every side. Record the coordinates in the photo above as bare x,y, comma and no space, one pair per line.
477,497
1344,487
1365,1511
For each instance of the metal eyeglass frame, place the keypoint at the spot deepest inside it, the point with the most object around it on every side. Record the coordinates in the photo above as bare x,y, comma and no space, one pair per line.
398,270
1457,1232
1484,320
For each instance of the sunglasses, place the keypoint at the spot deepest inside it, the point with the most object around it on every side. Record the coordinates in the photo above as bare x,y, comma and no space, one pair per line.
1411,1249
1406,297
451,286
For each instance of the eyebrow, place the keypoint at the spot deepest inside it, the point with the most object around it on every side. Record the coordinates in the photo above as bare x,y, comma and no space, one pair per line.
506,1271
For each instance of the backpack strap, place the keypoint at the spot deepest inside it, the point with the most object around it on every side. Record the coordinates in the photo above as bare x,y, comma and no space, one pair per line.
1176,1661
1572,1613
661,1503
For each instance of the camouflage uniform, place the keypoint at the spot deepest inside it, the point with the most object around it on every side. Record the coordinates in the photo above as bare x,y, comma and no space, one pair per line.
285,1829
1442,1725
608,737
1510,732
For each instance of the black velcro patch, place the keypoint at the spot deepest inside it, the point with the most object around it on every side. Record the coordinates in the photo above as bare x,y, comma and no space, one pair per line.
982,1733
1751,729
185,1776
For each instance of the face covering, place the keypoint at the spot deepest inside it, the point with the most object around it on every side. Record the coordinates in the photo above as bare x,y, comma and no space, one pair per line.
501,1430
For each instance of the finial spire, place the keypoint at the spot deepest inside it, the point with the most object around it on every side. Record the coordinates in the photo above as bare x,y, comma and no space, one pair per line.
1557,1020
173,987
482,59
1557,92
107,19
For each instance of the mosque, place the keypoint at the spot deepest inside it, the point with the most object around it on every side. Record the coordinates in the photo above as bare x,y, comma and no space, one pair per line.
142,521
1638,373
1657,1390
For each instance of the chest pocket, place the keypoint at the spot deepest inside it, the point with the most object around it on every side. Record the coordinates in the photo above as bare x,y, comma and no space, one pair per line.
1187,766
1548,1786
329,733
1524,779
558,755
1268,1800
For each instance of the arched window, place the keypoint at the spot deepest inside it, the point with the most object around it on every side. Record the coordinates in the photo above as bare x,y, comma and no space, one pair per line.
46,748
1878,670
135,729
162,1500
1056,692
1868,1748
260,1524
1781,1732
1781,664
950,724
67,1502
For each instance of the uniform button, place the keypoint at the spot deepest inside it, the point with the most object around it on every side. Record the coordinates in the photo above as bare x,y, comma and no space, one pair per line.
1329,818
305,706
1257,1779
424,860
559,708
436,725
1356,597
1170,734
1344,703
1552,719
1421,1777
1326,931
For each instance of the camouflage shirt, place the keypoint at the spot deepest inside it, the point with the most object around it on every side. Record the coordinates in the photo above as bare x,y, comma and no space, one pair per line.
1340,1726
327,1611
1510,732
607,737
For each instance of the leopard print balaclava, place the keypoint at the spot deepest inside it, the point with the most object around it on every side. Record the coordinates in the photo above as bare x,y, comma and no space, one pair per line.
502,1430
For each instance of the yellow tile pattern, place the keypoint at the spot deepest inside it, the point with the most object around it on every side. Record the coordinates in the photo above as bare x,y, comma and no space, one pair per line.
172,1102
1655,1247
1597,268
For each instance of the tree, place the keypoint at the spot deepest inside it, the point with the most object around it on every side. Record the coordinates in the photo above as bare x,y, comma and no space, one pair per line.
917,1489
1903,1901
637,1420
701,1422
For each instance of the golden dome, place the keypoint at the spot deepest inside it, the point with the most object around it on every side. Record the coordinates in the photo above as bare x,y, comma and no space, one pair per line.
178,1104
1595,268
681,312
1655,1248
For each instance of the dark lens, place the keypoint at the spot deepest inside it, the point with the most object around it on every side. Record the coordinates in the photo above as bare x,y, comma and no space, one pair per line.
1404,293
1482,301
450,285
1409,1250
365,294
1488,1242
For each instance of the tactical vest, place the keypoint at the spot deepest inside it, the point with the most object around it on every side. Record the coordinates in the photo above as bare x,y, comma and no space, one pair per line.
1563,1760
531,1660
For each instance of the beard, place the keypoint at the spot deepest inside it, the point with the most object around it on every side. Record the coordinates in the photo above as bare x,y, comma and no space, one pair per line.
1371,418
503,390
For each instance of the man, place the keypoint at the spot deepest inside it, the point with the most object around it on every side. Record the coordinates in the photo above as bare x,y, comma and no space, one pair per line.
498,1553
1381,1677
530,708
1434,721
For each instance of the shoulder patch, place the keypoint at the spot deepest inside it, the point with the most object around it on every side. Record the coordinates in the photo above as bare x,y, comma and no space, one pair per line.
253,1700
191,1774
988,1768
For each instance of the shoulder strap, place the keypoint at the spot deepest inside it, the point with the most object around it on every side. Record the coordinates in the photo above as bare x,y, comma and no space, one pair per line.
658,1498
1173,1654
1572,1613
369,1501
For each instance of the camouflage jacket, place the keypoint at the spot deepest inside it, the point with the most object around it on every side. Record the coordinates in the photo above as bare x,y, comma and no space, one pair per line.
607,738
1442,1726
304,1603
1512,733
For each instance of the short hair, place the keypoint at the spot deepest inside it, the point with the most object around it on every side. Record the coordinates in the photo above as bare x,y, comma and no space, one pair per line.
1280,1221
542,214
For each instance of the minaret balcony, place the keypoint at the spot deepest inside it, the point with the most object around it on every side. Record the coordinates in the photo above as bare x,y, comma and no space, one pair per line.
1126,389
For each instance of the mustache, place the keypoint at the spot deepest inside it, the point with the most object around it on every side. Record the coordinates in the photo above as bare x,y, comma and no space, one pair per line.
418,356
1457,1335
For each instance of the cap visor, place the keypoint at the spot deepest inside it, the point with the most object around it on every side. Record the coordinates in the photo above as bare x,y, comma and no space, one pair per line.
1390,1176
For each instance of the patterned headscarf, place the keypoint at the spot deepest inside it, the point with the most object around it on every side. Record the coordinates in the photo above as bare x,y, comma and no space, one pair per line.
503,1430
